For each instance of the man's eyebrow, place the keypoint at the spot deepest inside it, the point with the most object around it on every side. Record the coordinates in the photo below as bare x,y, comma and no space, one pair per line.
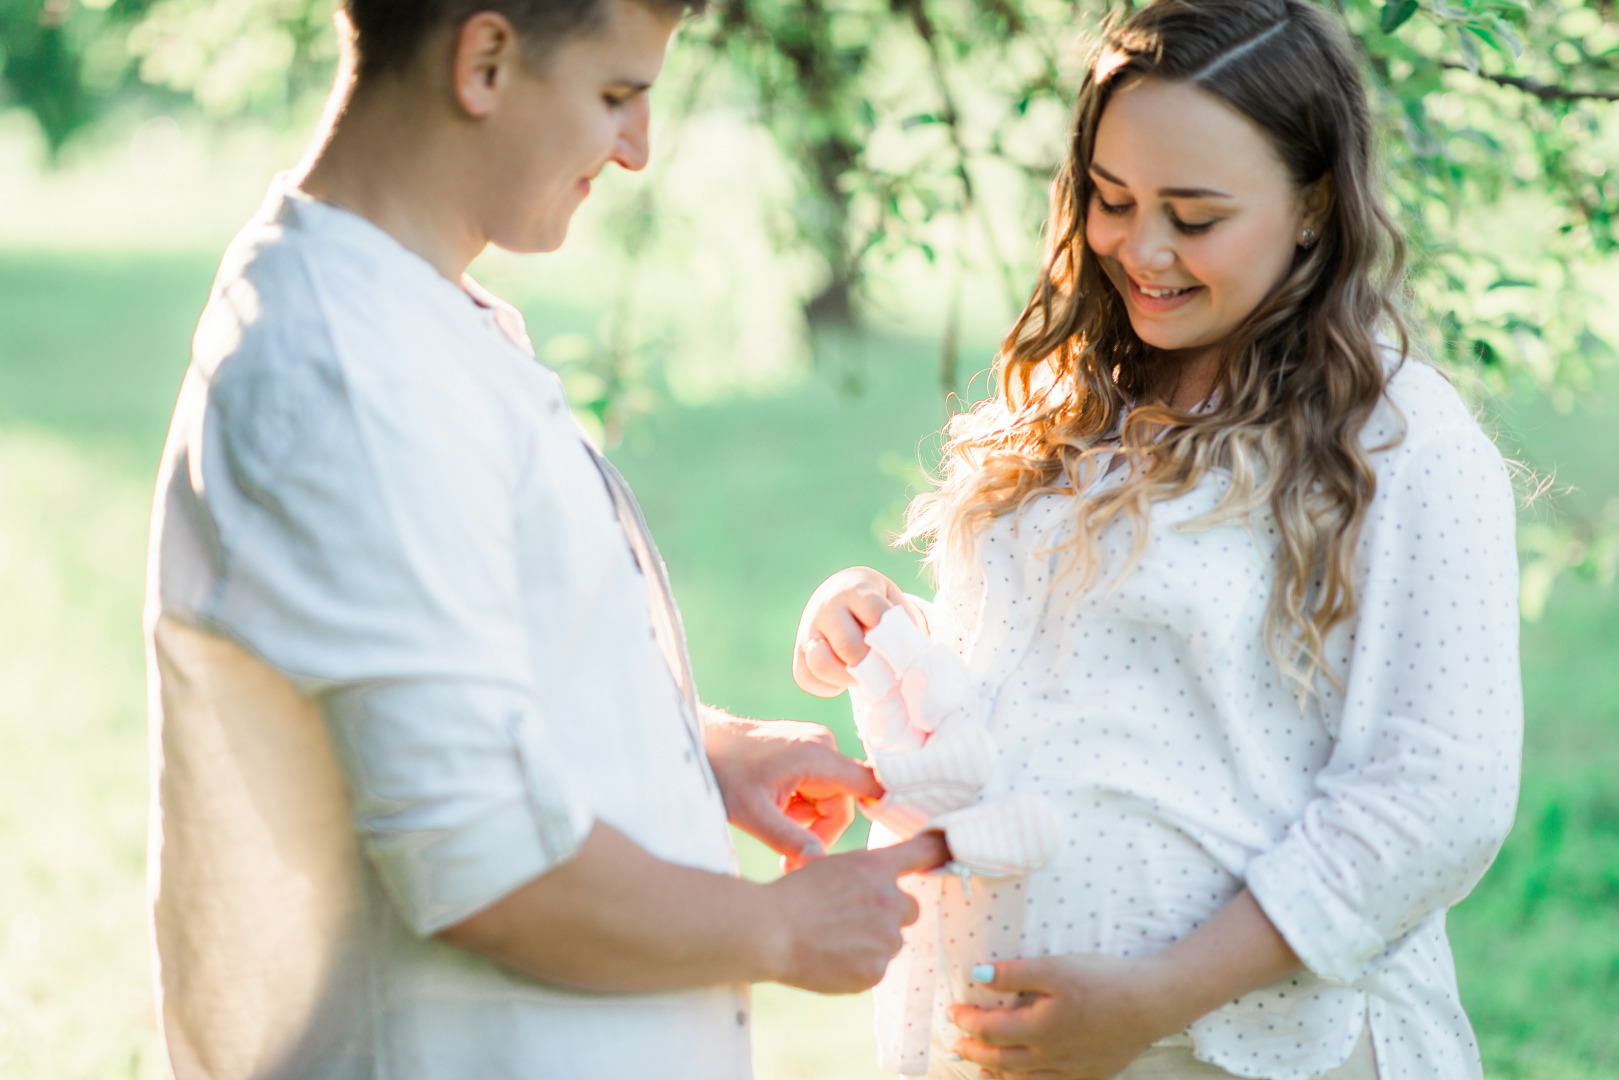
1166,193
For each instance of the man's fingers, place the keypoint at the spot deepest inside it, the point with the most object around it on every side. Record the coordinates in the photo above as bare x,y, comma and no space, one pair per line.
835,817
923,851
771,825
833,774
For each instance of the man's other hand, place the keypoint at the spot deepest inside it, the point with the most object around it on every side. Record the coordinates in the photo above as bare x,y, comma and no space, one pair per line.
786,783
839,918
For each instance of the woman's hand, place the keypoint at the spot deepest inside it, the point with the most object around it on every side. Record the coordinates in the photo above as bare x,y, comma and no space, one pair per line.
1092,1015
832,632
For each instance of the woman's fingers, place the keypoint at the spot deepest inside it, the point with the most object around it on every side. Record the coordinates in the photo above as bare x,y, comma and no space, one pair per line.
1010,1059
824,665
844,633
867,606
994,1027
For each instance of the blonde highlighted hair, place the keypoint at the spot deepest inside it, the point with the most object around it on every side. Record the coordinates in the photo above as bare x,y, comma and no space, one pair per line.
1297,381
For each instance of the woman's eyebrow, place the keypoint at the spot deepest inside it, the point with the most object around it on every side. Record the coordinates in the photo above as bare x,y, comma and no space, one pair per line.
1164,193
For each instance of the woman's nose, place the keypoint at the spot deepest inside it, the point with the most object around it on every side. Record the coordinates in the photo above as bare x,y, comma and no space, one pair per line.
1147,248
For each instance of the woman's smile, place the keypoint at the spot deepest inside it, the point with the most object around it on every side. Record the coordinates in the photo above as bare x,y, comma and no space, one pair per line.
1160,299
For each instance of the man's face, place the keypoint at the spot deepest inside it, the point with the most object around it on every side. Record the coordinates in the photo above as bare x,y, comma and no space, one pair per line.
558,126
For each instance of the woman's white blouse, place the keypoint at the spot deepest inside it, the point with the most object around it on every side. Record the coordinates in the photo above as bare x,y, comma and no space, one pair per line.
1150,711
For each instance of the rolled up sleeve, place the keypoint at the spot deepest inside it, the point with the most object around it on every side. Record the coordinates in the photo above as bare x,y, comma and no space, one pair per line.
370,552
1422,784
455,793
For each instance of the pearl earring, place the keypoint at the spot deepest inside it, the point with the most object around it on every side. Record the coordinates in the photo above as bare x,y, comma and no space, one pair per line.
1307,239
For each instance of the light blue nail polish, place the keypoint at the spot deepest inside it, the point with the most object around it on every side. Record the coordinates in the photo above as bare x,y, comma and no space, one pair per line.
984,973
955,1057
813,849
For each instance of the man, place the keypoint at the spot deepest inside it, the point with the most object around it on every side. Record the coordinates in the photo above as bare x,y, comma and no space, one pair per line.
434,795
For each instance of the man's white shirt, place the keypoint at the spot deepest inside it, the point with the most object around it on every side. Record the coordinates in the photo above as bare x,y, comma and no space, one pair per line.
372,485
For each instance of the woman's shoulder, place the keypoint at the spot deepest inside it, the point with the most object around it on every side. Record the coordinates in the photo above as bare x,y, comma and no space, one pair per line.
1419,405
1424,441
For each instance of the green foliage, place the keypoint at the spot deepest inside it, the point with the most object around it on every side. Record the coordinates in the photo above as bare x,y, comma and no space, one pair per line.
928,130
897,115
67,61
50,60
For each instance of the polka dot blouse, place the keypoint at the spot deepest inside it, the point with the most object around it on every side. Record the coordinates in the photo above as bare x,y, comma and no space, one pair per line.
1148,709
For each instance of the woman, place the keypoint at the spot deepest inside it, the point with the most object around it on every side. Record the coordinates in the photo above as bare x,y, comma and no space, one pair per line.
1235,577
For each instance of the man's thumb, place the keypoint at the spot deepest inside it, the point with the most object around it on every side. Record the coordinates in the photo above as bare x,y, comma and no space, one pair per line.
924,851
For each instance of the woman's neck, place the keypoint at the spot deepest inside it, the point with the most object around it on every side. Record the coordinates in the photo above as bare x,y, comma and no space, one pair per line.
1194,375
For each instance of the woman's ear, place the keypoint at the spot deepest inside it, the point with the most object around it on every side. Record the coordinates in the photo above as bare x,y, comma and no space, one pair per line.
486,49
1315,208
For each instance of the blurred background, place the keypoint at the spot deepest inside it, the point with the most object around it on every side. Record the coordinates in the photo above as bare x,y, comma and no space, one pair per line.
766,330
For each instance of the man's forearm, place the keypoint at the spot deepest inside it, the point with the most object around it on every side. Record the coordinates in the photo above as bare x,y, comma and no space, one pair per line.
615,919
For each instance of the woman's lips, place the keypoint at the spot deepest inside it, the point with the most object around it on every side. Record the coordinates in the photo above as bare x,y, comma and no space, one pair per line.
1165,301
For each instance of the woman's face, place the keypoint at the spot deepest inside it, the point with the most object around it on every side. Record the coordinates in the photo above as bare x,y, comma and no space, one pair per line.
1194,218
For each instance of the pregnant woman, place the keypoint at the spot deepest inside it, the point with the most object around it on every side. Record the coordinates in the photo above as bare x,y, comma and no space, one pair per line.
1233,572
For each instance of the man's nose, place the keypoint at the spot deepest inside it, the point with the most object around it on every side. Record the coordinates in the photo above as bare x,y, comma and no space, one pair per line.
634,145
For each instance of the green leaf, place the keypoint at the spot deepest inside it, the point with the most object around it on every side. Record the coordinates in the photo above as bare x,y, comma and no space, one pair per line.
1506,35
1469,46
1396,12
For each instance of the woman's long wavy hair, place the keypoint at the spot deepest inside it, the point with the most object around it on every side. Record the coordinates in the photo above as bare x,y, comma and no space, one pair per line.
1298,379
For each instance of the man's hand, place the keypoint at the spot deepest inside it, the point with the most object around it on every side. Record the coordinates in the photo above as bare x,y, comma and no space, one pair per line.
832,630
785,783
614,919
842,915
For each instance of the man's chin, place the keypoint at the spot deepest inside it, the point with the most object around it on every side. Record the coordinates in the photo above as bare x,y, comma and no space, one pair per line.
535,242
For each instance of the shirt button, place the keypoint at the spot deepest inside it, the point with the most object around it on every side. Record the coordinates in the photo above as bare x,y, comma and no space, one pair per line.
687,756
741,1018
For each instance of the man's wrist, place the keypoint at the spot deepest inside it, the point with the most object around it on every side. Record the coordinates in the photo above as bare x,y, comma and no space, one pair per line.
769,937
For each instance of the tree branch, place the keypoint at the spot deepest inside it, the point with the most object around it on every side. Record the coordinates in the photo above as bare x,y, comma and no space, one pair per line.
952,120
1543,91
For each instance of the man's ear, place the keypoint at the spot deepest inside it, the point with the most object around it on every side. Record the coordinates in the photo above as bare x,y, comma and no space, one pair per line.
487,50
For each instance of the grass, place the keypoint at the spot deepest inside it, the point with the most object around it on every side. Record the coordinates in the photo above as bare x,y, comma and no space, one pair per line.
753,500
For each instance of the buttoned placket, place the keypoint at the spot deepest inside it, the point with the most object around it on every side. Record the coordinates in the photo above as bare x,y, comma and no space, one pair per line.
667,628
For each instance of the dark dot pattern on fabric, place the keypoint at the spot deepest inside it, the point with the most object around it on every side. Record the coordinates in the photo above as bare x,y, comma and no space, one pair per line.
1148,709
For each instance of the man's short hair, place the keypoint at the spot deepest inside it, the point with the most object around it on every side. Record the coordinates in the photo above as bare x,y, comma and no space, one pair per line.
388,34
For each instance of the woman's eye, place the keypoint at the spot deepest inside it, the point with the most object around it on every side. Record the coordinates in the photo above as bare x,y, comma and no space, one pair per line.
1110,208
1191,228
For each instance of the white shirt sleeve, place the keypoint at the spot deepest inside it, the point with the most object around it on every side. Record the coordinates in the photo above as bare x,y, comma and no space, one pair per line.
1422,784
369,549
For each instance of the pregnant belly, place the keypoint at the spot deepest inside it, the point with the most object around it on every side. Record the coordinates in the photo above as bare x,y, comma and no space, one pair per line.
1125,883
